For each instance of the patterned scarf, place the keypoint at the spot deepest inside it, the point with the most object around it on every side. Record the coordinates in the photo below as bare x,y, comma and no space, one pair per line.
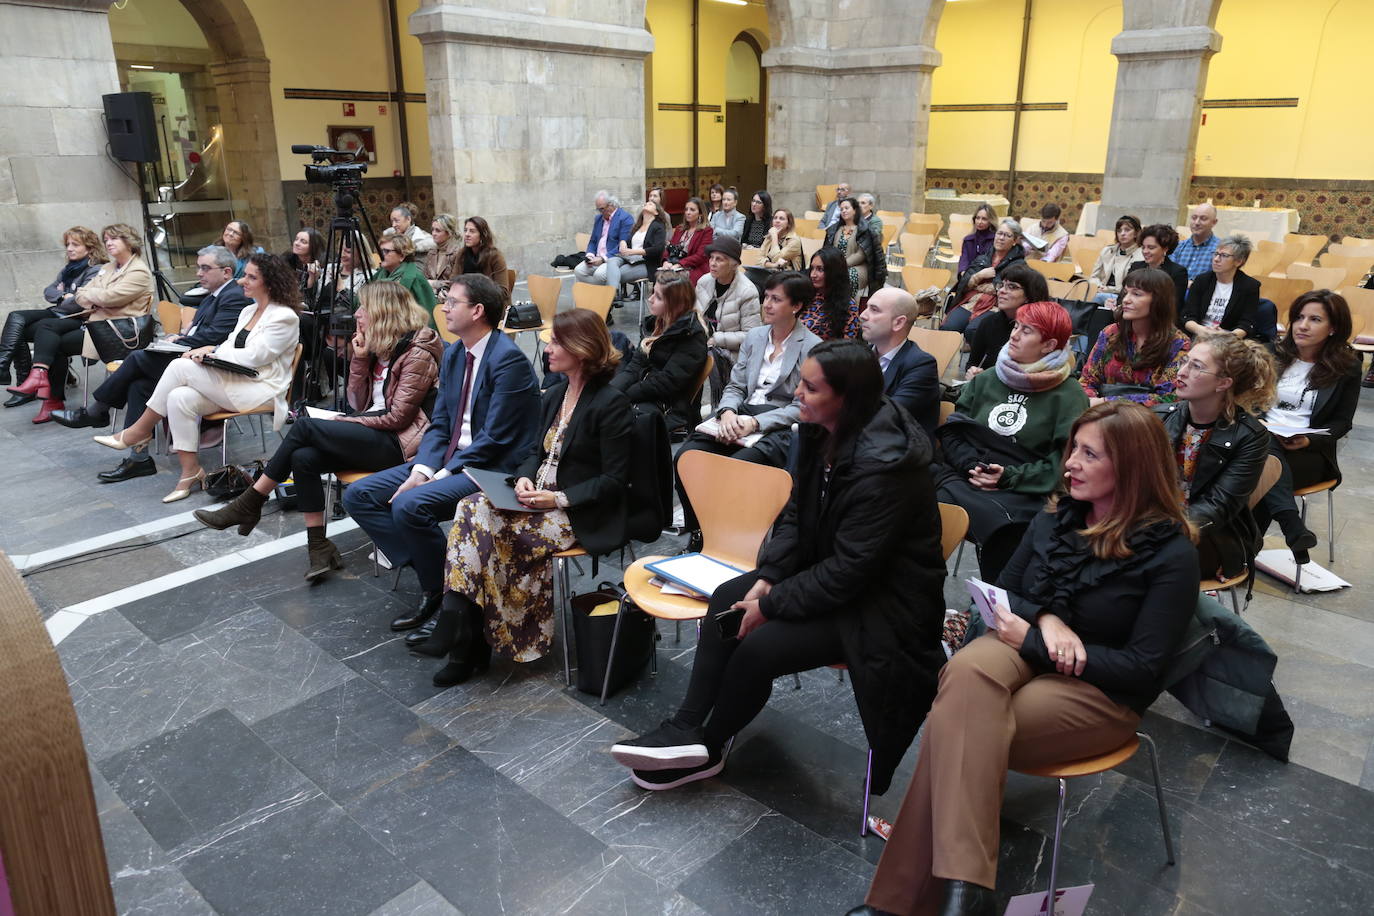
1041,375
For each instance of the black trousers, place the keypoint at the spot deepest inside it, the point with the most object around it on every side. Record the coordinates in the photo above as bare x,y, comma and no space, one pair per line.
733,678
1297,469
54,340
314,447
133,382
771,450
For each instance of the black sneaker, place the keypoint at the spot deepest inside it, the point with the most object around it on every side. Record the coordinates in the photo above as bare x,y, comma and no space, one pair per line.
668,747
658,780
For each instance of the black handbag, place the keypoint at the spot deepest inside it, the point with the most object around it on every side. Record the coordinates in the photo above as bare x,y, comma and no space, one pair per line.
232,479
592,638
116,338
523,316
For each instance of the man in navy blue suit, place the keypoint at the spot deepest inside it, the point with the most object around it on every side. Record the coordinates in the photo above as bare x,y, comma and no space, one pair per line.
912,377
133,382
485,416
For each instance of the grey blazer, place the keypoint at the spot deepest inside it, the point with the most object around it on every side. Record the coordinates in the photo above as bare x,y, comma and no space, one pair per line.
745,375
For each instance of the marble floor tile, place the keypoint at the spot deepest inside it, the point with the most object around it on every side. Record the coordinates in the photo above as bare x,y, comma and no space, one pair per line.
418,900
88,579
612,885
178,611
1187,755
305,605
365,643
144,879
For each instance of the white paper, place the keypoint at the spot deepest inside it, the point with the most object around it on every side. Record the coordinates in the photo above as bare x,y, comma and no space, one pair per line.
985,598
167,345
1289,432
669,588
711,427
1315,578
697,571
319,413
1068,901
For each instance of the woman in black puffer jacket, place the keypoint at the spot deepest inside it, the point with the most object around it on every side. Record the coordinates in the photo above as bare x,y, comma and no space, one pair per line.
665,368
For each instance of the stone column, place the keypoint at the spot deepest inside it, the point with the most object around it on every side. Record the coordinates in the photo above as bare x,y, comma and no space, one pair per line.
250,147
56,61
858,114
530,115
1160,79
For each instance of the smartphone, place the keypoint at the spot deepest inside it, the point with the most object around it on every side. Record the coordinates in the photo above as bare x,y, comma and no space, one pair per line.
728,622
981,466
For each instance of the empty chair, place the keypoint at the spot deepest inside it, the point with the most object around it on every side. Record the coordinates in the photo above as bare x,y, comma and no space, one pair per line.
1321,277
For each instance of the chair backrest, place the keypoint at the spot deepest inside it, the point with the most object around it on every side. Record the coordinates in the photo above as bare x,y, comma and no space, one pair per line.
1355,262
675,200
702,376
915,247
441,323
946,408
596,297
943,345
1283,290
169,316
1084,252
1059,270
953,527
925,224
1268,477
892,216
889,233
1321,277
583,239
915,279
544,293
751,257
809,247
960,225
1104,238
1361,302
1264,259
1350,244
736,503
817,215
1309,245
825,193
1074,290
510,280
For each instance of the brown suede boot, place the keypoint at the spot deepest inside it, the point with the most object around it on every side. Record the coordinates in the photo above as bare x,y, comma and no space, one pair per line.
324,556
244,510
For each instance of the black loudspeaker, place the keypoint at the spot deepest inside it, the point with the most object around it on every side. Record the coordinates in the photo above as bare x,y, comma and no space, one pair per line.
132,130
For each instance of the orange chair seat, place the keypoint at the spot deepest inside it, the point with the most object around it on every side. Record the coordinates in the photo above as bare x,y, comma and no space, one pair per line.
652,601
1088,765
1316,488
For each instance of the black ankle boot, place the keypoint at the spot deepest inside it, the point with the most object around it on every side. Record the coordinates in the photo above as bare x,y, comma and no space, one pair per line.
472,655
964,898
450,631
323,555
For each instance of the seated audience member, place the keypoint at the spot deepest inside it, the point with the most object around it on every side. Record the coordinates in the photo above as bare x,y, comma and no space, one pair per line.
341,292
852,574
831,216
782,248
715,195
446,260
1224,298
1155,244
863,254
403,223
1002,445
391,377
1138,356
499,571
868,212
264,339
398,265
1195,252
1018,285
664,368
481,256
85,254
1101,591
728,220
833,311
1318,388
727,301
975,293
911,376
484,417
979,241
687,250
307,249
1114,261
610,228
238,238
122,288
1054,235
759,221
641,254
133,382
761,397
1219,445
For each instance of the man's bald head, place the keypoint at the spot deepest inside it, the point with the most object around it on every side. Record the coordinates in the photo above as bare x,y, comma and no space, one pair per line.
1201,220
887,318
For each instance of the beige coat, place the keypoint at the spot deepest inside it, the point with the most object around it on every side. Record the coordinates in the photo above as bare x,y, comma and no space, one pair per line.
1111,267
786,255
116,293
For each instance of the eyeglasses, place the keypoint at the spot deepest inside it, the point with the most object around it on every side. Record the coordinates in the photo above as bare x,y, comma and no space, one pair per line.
1010,286
1223,254
387,250
1004,235
1196,368
201,268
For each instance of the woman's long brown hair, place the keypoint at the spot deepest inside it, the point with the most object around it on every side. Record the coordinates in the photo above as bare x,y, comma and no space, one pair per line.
1337,357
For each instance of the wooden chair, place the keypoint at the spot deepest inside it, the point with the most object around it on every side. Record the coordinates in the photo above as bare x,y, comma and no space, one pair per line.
1084,252
544,293
960,225
510,280
1090,766
441,322
943,345
1321,277
817,215
347,479
1104,238
810,229
892,216
1282,291
926,224
1328,487
169,316
583,239
267,409
915,248
751,257
1058,270
1355,265
1268,477
1361,302
946,408
889,233
1264,259
809,248
736,503
1308,246
593,297
1349,244
915,279
825,193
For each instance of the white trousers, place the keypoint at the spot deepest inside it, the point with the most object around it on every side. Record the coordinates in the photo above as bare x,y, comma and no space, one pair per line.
186,392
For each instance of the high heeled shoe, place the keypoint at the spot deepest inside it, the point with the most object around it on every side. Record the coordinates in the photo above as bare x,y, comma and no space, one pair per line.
324,556
184,486
118,443
45,410
35,384
244,510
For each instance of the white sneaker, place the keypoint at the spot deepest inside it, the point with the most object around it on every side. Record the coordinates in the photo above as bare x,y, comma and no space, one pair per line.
380,559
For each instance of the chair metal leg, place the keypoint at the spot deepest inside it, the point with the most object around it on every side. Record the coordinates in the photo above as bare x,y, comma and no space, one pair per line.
868,791
1159,795
1330,527
677,632
376,567
1297,574
1235,601
1058,834
615,637
796,677
958,556
560,578
396,579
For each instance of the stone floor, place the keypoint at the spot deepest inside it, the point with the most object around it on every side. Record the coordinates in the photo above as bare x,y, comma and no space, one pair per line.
262,746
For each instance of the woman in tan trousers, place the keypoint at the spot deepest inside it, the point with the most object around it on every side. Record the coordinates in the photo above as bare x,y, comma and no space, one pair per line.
1101,590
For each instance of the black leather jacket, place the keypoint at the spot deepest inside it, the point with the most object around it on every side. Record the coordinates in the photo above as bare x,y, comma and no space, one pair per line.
1228,469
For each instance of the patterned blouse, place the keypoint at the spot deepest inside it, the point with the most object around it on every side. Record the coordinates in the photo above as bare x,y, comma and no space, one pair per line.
1102,369
814,317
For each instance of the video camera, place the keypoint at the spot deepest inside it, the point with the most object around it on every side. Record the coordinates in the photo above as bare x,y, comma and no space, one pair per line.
342,176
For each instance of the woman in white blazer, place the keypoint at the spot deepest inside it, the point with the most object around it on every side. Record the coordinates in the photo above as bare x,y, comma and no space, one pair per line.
264,340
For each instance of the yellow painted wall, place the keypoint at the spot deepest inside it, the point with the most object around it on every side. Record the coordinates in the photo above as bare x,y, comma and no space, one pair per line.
1068,60
670,22
1317,61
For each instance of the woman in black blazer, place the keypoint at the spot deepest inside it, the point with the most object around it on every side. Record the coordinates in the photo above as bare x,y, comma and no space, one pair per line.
1319,388
665,367
499,584
1242,309
640,255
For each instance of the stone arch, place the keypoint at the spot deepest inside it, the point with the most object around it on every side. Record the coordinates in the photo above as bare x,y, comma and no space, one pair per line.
242,77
